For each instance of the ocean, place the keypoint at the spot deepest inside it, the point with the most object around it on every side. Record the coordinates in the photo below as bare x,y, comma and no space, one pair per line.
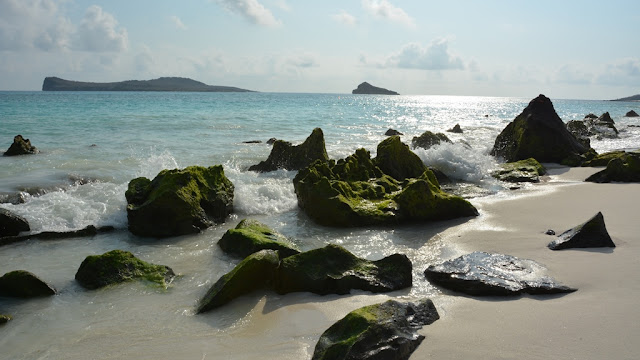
93,143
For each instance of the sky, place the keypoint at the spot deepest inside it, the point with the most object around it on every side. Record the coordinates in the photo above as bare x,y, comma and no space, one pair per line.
564,49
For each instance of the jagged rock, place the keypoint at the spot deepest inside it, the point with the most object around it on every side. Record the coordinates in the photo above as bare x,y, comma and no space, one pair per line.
366,88
382,331
179,202
625,168
429,139
538,132
118,266
603,126
286,156
603,159
481,273
12,224
392,132
23,284
591,116
631,113
256,271
271,141
395,159
4,319
20,146
578,129
591,234
251,236
528,170
456,129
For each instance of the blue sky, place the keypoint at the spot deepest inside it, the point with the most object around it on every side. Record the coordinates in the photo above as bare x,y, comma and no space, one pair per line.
563,49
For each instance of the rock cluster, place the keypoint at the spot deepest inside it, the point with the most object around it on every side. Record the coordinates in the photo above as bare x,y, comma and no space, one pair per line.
286,156
622,168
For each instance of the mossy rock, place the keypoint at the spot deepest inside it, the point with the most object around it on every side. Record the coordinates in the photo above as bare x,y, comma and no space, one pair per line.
251,236
625,168
20,146
179,202
380,331
256,271
286,156
429,139
119,266
4,319
334,270
528,170
603,159
23,284
395,159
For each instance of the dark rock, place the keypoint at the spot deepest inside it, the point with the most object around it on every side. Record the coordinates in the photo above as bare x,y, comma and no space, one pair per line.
252,142
440,176
24,284
550,232
286,156
179,202
538,132
251,236
12,224
20,146
271,141
118,266
603,159
334,270
382,331
625,168
581,132
528,170
631,113
591,234
255,272
4,319
603,126
429,139
395,159
456,129
392,132
481,273
591,116
90,230
366,88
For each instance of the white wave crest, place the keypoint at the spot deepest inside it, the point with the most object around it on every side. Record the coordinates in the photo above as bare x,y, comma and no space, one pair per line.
459,161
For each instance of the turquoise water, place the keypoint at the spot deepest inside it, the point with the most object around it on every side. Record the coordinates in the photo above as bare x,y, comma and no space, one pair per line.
92,144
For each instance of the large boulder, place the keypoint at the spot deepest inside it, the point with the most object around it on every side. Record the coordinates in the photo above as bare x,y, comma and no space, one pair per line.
256,271
179,202
118,266
251,236
23,284
625,168
286,156
538,132
382,331
591,234
334,270
395,159
12,224
631,113
20,146
481,273
528,170
603,159
429,139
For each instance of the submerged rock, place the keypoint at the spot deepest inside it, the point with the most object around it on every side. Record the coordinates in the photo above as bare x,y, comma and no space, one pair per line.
456,129
89,230
118,266
4,319
392,132
251,236
286,156
528,170
539,133
20,146
481,273
591,234
625,168
179,202
395,159
381,331
366,88
23,284
429,139
631,113
12,224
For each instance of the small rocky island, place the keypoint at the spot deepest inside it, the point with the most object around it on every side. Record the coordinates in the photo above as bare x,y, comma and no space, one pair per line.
366,88
160,84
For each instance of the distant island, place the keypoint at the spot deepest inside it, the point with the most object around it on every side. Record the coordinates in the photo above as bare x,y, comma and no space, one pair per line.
629,98
161,84
366,88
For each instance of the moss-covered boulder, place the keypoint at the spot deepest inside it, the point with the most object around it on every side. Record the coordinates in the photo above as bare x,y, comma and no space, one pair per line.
179,202
539,133
625,168
381,331
286,156
334,270
429,139
591,234
255,272
118,266
12,224
395,159
603,159
23,284
20,146
4,319
528,170
251,236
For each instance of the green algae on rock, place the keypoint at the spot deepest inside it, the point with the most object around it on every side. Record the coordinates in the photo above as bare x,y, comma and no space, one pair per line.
428,139
4,319
118,266
23,284
286,156
603,159
179,202
625,168
395,159
251,236
528,170
381,331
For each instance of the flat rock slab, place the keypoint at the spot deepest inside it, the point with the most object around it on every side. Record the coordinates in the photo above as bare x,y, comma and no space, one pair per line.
485,274
591,234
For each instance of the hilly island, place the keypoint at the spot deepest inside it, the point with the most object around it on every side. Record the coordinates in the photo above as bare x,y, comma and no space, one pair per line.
160,84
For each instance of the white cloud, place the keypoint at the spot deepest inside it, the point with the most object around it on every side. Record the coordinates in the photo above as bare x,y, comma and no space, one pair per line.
384,9
345,18
573,74
97,32
623,72
178,23
436,56
252,10
33,24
